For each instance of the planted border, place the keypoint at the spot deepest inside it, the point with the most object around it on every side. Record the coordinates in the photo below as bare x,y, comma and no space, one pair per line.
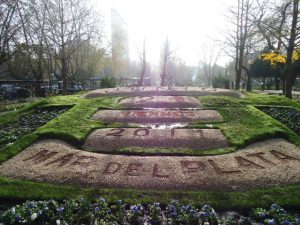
25,124
98,211
286,115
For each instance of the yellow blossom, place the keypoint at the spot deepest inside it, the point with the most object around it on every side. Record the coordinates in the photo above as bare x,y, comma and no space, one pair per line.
276,58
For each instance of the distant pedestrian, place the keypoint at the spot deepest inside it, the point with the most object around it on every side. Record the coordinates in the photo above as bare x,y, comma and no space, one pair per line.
232,85
244,85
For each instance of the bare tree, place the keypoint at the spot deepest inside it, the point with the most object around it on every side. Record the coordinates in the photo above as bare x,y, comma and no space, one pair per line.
8,29
70,24
281,34
167,56
210,55
86,61
288,69
238,39
269,25
32,20
142,56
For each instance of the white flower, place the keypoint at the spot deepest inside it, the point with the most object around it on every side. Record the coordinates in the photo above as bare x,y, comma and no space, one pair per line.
57,222
206,223
33,216
13,210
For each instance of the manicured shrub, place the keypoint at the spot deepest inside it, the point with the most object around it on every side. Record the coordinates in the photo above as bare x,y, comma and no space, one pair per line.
23,93
220,82
108,82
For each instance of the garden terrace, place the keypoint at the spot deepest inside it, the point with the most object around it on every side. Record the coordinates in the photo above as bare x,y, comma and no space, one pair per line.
256,165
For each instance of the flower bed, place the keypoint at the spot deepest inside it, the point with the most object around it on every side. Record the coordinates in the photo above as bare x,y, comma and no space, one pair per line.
12,131
86,212
288,116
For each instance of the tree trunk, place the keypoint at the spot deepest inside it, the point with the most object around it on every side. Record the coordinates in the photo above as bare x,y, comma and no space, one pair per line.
249,80
238,79
288,80
141,81
277,83
163,76
64,76
264,84
249,83
288,69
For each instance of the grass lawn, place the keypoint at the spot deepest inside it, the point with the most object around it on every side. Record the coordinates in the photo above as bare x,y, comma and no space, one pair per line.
243,124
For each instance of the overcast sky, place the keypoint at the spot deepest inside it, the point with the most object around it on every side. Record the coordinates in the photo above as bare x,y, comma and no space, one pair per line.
187,23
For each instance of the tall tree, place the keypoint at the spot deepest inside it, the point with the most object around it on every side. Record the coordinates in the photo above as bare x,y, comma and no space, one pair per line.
167,56
282,35
32,17
9,26
143,61
70,24
288,69
210,55
238,38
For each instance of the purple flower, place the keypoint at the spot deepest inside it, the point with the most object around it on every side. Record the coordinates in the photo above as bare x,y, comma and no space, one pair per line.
298,220
97,209
194,213
282,211
286,223
139,207
271,222
30,205
60,209
261,214
173,209
275,206
18,217
135,209
174,214
205,207
156,204
188,207
119,202
102,200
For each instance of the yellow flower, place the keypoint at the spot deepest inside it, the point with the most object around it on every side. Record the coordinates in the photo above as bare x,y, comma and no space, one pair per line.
276,58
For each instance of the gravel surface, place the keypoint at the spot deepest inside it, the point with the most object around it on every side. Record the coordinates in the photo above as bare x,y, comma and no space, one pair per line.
157,116
160,102
114,138
264,164
161,91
